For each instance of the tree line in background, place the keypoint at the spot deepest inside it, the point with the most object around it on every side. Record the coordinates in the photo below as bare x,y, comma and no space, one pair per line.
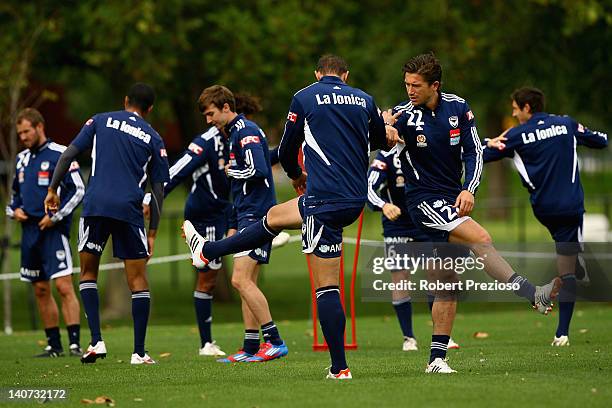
95,50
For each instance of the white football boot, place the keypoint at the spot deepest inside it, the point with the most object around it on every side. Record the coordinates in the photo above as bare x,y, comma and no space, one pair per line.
280,240
211,349
544,296
410,344
342,375
195,242
440,366
136,359
94,352
560,341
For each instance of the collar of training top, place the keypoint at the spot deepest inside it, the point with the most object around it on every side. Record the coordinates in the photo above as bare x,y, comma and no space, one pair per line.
229,126
331,79
537,116
38,148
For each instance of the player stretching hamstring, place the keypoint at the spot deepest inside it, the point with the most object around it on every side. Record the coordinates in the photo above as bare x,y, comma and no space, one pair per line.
439,133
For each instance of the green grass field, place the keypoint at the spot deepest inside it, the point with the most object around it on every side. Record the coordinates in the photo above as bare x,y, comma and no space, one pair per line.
514,366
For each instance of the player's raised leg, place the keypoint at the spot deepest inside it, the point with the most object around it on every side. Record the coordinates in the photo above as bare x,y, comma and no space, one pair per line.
281,216
473,234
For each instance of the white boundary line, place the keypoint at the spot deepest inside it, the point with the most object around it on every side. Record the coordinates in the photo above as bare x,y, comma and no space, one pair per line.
296,238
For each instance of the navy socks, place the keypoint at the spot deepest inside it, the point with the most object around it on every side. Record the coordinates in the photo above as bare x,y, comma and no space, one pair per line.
439,345
333,322
141,304
251,341
270,333
202,302
53,338
91,304
567,298
526,289
403,310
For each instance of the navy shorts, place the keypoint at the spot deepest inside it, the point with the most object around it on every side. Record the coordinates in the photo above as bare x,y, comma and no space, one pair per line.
565,230
322,231
436,217
129,240
261,254
45,254
213,230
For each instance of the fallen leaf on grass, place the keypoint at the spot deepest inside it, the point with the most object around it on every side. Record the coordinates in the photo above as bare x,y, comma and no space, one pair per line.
164,355
481,335
582,331
103,399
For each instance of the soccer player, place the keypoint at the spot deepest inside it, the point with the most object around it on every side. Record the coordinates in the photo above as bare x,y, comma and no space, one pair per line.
386,193
543,147
338,125
125,151
208,207
440,135
45,248
252,188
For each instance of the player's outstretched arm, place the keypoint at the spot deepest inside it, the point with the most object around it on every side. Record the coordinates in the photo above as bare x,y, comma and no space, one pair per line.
497,142
192,158
590,138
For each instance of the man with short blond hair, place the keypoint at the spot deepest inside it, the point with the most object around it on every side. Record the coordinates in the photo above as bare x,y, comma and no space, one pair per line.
45,248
